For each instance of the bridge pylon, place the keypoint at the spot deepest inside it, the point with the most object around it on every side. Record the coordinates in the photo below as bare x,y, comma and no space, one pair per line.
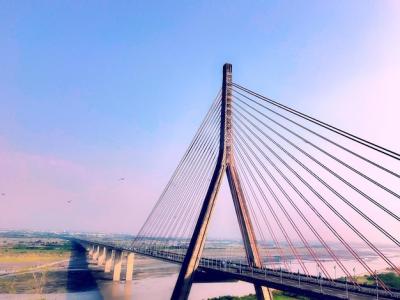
225,164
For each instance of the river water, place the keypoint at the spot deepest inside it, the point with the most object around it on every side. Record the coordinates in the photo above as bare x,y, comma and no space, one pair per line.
155,280
149,288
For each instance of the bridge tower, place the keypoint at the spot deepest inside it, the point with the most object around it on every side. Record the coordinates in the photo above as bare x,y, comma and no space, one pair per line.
225,163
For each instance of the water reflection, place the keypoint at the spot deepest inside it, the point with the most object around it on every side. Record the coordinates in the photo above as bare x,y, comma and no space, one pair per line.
80,277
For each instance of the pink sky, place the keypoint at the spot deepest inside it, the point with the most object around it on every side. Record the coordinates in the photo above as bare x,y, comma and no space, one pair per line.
38,186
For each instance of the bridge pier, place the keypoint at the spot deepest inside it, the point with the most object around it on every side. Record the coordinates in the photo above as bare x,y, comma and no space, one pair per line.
118,255
109,259
91,251
129,266
96,253
103,253
113,260
263,292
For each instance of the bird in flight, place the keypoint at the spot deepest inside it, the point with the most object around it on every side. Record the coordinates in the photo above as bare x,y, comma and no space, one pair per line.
122,178
3,194
69,201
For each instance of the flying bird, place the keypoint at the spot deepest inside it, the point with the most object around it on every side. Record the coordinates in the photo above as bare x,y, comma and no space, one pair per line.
69,201
3,194
122,178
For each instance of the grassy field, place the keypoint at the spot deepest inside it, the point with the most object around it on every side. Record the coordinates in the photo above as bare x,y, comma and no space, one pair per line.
390,279
278,295
27,253
29,260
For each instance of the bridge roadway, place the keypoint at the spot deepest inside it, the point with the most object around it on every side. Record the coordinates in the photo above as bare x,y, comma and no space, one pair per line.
222,270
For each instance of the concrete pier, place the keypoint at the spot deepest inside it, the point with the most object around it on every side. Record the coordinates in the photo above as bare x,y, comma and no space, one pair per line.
96,252
117,265
129,266
91,251
109,259
102,256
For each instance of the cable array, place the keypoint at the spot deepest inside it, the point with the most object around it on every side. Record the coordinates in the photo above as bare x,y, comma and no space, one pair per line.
171,222
322,194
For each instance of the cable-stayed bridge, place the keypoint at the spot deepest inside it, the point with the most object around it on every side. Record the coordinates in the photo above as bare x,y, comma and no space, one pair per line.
306,195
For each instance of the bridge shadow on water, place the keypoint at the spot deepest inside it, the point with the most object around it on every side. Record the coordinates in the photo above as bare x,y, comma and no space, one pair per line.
80,278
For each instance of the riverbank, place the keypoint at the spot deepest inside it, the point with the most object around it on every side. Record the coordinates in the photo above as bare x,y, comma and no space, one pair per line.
277,295
18,255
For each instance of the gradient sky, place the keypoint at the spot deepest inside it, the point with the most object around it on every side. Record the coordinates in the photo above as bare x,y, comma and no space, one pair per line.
91,91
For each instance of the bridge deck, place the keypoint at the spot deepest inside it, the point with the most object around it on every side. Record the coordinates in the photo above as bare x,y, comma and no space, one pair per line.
277,279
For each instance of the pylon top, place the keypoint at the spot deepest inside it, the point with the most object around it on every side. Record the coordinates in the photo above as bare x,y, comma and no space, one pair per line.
228,67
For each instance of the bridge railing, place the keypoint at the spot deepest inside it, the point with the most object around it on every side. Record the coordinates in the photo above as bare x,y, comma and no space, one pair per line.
298,279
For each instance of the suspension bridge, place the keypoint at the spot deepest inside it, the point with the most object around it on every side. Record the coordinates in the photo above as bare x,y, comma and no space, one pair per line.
307,196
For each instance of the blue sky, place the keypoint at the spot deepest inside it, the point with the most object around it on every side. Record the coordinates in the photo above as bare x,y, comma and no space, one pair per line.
91,91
